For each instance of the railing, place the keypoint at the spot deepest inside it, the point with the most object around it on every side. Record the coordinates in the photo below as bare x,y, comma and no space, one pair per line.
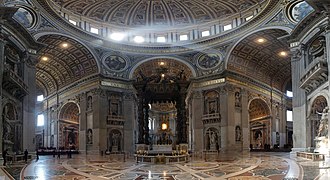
115,120
211,118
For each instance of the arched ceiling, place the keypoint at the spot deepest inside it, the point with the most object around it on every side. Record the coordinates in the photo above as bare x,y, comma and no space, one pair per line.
174,13
64,65
70,112
258,109
168,67
319,104
262,61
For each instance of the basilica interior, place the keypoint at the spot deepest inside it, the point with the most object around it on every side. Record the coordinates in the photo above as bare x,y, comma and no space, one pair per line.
164,89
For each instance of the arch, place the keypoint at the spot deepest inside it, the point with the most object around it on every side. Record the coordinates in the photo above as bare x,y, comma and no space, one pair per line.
192,69
259,124
284,28
324,95
69,123
261,60
68,108
65,64
316,106
115,140
39,35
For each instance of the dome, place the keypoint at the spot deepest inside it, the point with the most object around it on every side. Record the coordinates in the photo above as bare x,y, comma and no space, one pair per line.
169,14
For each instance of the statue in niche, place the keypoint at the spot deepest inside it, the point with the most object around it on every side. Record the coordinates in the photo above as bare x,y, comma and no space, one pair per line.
323,126
212,107
258,138
89,136
89,102
72,137
114,109
237,99
238,133
115,139
212,136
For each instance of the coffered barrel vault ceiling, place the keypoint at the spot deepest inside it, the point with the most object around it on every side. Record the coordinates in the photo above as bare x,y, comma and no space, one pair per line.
64,65
262,61
155,12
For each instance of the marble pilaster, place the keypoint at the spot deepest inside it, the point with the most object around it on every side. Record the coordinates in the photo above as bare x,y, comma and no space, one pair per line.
299,100
197,124
2,59
29,102
245,120
128,112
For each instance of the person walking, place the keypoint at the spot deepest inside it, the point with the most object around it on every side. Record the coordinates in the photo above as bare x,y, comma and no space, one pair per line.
59,154
37,155
4,156
26,155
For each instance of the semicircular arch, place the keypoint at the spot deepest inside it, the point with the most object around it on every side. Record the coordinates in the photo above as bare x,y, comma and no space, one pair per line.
188,66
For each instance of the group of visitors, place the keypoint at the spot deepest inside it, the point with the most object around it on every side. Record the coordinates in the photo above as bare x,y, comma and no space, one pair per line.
55,152
5,154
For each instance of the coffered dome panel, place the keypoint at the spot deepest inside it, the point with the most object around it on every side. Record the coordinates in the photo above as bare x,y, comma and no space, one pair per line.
63,65
155,12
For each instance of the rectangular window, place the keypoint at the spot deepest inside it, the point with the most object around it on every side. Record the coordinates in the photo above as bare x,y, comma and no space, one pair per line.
288,115
227,27
161,39
40,120
205,33
40,98
94,30
248,18
289,93
183,37
73,22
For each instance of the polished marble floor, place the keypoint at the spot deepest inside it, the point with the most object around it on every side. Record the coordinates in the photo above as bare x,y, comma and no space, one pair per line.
245,166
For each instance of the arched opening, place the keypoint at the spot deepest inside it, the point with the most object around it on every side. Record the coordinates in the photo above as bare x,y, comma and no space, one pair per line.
318,106
161,86
260,124
69,127
11,129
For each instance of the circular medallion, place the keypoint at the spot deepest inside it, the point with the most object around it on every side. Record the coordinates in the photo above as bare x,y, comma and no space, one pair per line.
208,60
115,63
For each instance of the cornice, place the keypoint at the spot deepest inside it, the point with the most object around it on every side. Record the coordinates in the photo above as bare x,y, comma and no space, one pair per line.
17,31
305,25
225,37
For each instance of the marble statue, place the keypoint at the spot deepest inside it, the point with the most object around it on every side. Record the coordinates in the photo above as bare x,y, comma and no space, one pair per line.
212,137
323,126
238,133
90,136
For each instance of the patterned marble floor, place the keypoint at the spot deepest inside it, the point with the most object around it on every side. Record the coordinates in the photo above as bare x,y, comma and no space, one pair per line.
247,166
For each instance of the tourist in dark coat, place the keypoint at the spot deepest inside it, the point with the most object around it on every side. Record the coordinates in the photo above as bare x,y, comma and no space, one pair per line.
26,155
4,156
